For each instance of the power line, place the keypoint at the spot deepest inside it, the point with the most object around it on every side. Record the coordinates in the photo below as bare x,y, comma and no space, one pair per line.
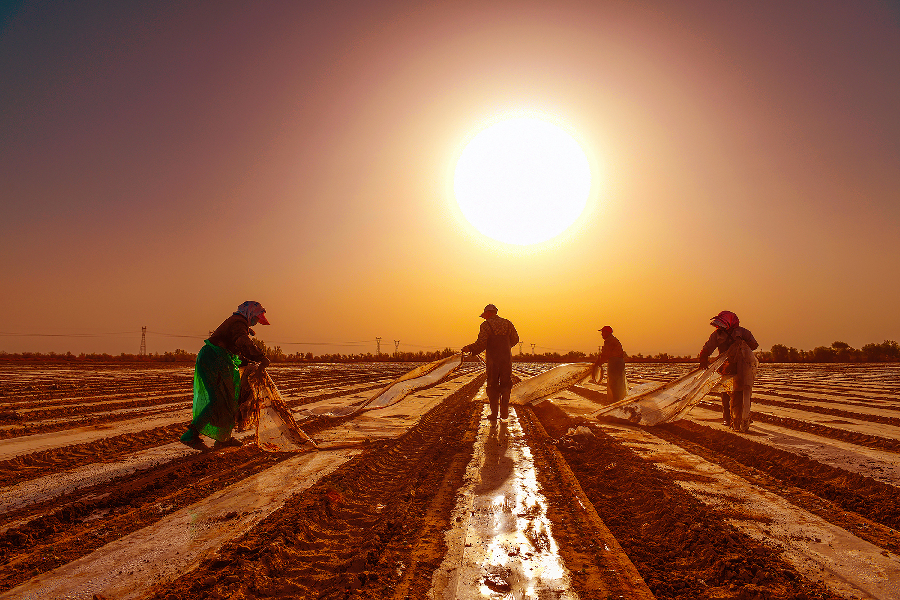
72,335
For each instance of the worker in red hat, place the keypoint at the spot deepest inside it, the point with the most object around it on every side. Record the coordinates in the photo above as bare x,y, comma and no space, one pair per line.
613,355
496,337
217,380
740,367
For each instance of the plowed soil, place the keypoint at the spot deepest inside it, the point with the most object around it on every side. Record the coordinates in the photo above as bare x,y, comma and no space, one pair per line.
374,528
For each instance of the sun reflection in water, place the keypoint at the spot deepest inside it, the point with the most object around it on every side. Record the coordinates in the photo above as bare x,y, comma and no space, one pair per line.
509,551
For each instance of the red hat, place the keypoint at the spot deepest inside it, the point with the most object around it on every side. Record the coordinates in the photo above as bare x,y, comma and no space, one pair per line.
262,320
605,329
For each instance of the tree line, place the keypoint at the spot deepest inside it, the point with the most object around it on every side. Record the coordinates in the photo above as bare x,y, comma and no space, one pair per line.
887,351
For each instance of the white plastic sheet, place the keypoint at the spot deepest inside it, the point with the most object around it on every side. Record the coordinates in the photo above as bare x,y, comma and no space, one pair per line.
276,430
549,382
668,401
417,379
420,377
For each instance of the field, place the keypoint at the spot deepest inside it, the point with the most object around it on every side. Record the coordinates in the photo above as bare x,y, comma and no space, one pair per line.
428,499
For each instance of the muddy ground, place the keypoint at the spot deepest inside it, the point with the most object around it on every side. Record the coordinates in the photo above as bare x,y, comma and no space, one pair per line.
374,528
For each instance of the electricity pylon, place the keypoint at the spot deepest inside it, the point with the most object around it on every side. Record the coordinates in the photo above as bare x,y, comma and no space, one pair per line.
396,347
378,346
143,350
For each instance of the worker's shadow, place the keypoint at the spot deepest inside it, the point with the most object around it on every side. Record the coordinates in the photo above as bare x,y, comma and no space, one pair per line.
497,469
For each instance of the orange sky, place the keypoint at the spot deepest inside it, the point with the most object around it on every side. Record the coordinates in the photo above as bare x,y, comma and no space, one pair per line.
163,162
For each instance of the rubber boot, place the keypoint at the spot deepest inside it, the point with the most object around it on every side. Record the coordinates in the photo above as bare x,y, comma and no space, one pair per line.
494,402
504,402
737,407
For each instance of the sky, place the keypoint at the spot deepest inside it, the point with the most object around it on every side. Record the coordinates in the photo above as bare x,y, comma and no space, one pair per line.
162,162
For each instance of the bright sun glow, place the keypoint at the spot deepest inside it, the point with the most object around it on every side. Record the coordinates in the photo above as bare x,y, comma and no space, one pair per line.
522,181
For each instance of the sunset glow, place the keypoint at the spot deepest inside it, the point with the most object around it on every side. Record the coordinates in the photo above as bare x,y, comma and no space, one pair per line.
576,163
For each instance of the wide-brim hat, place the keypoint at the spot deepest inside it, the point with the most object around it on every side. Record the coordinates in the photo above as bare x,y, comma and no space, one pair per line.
488,310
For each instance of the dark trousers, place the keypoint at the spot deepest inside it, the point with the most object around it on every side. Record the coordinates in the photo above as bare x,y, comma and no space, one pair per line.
499,383
732,407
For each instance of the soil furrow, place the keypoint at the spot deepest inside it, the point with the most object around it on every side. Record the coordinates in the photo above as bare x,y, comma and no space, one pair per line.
681,547
853,437
352,534
856,503
65,535
863,495
38,464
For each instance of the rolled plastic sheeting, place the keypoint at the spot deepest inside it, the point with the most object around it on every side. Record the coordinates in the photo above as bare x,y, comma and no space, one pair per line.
276,430
668,401
549,382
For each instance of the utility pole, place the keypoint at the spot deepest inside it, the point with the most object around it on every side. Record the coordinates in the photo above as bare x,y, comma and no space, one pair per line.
378,346
396,348
143,350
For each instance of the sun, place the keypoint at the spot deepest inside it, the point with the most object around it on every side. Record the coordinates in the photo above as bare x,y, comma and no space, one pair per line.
522,181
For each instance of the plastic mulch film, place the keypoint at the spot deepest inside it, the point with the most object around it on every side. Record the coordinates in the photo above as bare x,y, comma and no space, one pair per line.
668,401
549,382
276,430
417,379
420,377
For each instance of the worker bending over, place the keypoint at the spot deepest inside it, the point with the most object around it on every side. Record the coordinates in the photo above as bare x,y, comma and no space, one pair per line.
740,367
217,378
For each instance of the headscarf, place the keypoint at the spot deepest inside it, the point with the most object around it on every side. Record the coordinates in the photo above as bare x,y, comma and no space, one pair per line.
253,311
725,320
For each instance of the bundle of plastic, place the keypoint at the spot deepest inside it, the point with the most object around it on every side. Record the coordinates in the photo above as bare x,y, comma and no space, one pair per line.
549,382
668,401
276,430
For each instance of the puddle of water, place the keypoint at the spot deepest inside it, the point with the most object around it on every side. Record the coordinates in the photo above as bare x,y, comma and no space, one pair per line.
502,544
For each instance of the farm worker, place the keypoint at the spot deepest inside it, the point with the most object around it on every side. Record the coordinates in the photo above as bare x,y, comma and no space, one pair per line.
217,378
496,336
740,366
612,354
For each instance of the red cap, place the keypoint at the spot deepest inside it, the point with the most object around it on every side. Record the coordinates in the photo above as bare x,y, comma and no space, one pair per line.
262,319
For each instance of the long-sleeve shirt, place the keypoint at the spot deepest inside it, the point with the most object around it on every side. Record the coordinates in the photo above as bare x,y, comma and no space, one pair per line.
234,335
723,340
494,327
612,348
